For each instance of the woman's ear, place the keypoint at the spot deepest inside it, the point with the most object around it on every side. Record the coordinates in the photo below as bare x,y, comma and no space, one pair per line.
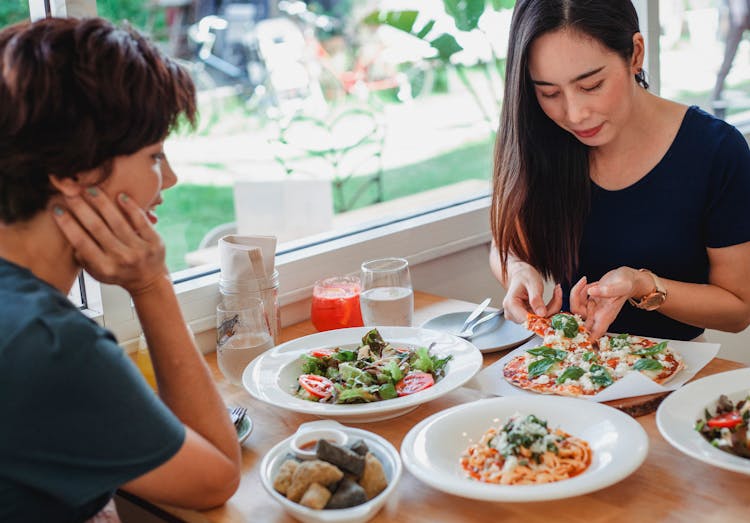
66,186
72,186
639,52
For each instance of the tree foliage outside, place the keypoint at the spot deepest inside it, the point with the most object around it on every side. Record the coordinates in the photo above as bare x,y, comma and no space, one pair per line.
134,11
12,11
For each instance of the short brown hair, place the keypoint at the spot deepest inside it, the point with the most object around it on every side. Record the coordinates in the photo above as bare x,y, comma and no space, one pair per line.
74,94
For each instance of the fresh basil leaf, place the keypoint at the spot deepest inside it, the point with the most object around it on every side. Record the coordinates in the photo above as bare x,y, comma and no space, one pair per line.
565,323
650,351
540,367
647,364
548,352
600,376
571,373
590,356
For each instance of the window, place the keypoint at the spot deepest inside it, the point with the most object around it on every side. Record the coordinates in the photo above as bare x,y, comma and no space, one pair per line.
436,150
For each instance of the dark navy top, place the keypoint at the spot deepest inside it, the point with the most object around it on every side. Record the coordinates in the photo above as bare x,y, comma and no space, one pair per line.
77,420
697,196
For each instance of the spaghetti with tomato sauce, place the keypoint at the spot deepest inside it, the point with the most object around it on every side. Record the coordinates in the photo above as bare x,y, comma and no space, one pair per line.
524,451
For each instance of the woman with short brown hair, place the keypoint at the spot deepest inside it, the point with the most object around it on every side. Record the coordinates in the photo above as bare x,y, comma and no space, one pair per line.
85,110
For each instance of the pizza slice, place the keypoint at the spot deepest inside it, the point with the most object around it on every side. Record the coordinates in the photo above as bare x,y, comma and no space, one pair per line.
655,360
562,329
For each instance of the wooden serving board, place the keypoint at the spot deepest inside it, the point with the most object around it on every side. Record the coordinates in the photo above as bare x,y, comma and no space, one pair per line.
638,405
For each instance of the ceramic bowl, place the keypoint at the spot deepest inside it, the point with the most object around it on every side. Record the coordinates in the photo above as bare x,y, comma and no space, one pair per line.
380,447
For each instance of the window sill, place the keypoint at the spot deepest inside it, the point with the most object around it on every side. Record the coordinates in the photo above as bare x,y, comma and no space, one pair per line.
421,238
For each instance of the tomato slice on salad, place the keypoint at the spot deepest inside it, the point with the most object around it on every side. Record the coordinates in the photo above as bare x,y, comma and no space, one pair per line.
414,382
728,420
321,353
317,386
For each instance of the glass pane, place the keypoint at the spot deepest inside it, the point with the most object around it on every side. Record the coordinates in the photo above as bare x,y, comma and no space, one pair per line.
705,55
319,119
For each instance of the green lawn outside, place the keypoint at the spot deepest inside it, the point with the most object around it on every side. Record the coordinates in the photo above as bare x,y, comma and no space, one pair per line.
189,211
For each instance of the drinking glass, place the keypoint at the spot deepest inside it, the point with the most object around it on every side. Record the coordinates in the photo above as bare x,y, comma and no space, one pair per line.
335,303
241,335
387,297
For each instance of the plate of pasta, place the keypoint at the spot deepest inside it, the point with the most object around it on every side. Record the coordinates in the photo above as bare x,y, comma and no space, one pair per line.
524,448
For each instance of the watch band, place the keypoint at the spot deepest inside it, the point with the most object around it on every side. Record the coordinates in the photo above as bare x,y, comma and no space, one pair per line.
652,300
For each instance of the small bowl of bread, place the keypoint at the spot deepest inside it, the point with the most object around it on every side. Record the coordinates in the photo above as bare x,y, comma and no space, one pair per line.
348,479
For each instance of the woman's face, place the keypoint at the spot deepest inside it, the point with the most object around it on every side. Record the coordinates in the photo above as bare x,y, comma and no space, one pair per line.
142,176
581,85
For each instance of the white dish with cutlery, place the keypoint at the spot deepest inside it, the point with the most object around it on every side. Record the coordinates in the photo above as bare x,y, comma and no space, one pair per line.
493,335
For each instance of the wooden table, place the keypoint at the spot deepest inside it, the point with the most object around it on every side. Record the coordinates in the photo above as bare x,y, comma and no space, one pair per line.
669,486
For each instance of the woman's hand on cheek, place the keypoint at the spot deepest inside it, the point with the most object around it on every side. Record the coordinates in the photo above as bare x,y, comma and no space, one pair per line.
114,242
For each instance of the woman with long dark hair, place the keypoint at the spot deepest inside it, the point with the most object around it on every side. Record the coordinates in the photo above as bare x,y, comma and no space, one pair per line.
636,206
85,110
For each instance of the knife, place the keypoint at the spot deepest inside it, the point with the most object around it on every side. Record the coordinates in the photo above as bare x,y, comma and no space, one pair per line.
475,314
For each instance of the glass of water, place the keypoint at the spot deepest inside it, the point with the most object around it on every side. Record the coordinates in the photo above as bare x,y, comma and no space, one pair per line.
387,297
241,335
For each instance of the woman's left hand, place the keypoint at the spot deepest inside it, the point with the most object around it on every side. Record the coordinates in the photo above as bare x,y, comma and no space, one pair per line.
113,240
600,302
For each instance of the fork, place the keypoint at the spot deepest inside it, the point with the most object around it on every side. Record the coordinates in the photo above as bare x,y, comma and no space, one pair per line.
468,332
237,414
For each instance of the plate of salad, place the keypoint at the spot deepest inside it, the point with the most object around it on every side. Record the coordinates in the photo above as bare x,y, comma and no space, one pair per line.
362,374
708,419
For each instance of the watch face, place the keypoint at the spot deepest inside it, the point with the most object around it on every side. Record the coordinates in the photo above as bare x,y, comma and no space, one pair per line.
652,301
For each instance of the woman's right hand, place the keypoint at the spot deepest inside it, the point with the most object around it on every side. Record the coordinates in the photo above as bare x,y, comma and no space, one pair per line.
525,294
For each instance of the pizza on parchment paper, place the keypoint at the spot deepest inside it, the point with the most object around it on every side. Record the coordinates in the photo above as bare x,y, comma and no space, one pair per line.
569,364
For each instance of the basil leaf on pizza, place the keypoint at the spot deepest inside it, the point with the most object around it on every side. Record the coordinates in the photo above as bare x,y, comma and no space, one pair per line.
540,367
651,351
571,373
590,356
566,323
600,376
647,364
548,352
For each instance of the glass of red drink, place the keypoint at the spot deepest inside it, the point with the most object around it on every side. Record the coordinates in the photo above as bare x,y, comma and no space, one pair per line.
335,303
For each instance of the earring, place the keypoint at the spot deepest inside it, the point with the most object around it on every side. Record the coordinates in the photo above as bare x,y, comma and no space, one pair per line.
640,77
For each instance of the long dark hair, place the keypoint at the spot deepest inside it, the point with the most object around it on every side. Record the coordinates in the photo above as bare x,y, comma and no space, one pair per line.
541,176
75,94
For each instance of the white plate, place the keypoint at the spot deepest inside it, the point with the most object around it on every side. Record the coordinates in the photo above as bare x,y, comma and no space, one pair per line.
678,413
382,449
432,449
272,377
494,335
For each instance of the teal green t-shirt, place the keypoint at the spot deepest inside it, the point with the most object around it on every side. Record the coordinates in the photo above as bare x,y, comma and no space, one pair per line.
77,420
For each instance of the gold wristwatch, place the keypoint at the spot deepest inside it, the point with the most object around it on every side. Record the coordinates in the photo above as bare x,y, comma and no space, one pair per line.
654,299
